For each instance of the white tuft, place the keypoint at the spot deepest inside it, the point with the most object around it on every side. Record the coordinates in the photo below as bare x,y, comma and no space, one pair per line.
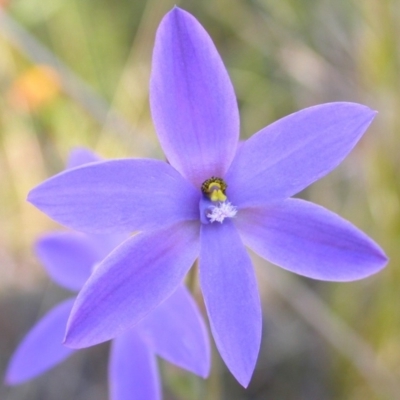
222,211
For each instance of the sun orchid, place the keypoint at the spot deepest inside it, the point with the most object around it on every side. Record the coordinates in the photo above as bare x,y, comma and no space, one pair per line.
174,330
209,201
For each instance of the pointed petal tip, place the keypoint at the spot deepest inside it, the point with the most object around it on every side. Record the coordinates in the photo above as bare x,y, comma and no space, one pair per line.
381,261
203,371
351,109
372,113
9,380
378,261
69,337
70,340
176,12
34,197
29,196
12,378
368,113
244,379
204,374
71,343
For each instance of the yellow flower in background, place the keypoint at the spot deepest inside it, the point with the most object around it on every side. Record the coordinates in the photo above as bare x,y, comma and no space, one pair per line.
35,87
4,3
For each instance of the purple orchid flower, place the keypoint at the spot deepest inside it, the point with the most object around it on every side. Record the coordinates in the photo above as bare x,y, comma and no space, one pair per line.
210,201
174,330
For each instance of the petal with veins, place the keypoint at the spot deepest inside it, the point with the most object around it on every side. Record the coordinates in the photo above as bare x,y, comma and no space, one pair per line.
42,347
133,371
118,196
133,280
231,295
309,240
68,257
192,100
290,154
176,331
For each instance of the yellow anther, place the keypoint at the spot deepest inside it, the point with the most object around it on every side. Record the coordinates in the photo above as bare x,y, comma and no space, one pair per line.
214,188
217,195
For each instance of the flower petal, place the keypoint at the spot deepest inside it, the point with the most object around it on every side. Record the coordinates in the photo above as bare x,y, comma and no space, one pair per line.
81,156
133,371
175,330
309,240
287,156
42,347
133,280
68,257
192,100
231,297
117,196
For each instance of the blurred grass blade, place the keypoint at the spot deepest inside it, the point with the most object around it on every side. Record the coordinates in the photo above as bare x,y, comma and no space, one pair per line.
335,331
72,85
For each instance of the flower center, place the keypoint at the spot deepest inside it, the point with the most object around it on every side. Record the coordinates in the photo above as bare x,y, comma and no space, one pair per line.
221,211
214,188
214,204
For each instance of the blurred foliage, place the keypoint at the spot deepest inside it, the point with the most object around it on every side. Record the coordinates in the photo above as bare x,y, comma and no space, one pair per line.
282,56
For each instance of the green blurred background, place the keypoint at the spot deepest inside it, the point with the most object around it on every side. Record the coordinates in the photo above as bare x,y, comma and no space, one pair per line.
320,340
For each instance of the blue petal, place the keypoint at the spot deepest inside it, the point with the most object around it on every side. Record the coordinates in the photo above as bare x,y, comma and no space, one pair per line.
175,330
192,100
81,156
133,372
68,257
309,240
118,196
42,347
231,297
290,154
134,279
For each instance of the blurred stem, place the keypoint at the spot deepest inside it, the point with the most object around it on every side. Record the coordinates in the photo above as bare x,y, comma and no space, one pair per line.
192,278
215,383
